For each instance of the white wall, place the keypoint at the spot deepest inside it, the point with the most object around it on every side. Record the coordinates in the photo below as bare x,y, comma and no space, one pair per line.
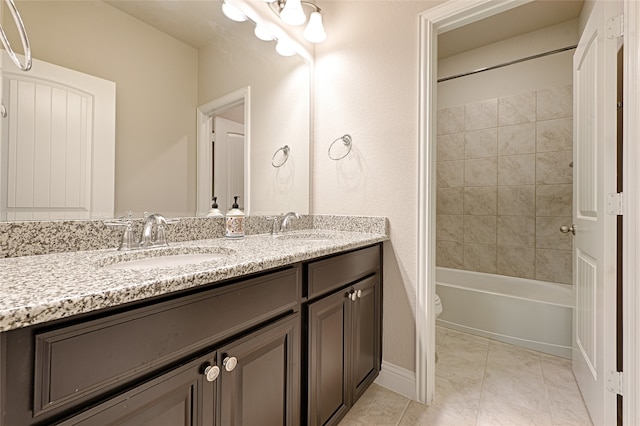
366,85
156,94
550,71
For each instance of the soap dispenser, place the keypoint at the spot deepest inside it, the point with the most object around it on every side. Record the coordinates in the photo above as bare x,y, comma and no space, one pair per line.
215,211
234,221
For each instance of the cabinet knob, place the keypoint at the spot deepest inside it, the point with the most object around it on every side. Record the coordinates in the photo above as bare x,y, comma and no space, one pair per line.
359,292
211,372
352,296
230,363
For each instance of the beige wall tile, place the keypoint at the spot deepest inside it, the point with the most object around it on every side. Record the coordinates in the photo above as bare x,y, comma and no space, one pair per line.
555,103
449,227
480,257
517,170
481,115
516,231
517,109
554,200
449,173
548,235
481,143
450,147
554,135
516,200
554,167
518,139
480,200
480,229
449,200
449,254
516,261
481,172
554,265
450,120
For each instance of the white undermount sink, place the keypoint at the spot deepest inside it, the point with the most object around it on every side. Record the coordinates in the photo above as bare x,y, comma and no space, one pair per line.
166,257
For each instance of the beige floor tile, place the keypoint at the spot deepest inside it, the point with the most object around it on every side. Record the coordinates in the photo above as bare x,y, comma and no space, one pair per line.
480,382
457,414
496,412
565,398
378,406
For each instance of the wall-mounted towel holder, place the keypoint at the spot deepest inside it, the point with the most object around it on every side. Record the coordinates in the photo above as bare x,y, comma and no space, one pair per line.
278,162
346,141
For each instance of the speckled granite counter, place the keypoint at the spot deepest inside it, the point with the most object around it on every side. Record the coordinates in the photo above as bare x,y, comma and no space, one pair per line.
36,289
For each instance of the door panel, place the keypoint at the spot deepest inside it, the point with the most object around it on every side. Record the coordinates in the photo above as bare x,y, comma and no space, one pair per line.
263,387
595,232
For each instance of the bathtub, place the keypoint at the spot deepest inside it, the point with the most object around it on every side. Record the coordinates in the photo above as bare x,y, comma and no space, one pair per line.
533,314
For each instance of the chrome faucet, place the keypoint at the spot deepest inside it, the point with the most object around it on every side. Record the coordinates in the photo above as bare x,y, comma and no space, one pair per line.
286,219
148,238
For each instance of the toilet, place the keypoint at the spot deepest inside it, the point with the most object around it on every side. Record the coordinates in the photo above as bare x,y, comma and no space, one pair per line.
438,306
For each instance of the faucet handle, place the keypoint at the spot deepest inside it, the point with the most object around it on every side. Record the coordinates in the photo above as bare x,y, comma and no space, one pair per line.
128,240
274,224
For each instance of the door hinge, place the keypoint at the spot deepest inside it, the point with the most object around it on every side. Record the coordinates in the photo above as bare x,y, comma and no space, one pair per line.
615,27
615,382
615,204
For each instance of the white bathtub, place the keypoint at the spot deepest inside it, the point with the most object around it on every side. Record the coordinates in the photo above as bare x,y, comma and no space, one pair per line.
529,313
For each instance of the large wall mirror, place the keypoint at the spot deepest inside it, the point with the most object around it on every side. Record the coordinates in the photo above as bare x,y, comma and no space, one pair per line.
167,58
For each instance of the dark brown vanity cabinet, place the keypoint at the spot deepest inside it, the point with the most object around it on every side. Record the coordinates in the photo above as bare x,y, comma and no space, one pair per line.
252,381
229,355
343,332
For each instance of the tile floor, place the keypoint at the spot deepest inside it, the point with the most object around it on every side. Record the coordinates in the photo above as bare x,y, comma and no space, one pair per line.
482,382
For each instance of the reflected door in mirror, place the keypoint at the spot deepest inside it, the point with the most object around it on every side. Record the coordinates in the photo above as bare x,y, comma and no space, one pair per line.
228,162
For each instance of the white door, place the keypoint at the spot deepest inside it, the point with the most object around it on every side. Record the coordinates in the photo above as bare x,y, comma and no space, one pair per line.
595,232
228,163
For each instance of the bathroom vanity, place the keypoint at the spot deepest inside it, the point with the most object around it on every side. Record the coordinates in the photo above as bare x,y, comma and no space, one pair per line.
278,332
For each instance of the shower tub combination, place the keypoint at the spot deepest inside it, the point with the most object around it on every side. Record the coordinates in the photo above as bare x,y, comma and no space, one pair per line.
533,314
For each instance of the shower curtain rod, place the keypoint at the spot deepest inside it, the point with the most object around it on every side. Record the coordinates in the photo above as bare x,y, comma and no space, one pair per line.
515,61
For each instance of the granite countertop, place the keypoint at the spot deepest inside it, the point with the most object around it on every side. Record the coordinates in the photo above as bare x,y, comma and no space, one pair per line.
37,289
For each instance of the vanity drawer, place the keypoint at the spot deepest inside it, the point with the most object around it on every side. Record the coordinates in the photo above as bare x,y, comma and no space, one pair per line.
75,363
332,273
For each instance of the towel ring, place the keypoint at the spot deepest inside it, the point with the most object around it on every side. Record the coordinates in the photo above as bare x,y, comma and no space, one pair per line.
285,156
23,38
346,141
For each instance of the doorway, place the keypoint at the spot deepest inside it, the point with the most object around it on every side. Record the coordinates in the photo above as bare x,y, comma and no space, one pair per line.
433,22
223,169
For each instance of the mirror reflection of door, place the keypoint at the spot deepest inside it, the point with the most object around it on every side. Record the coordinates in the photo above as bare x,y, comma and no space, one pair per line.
228,162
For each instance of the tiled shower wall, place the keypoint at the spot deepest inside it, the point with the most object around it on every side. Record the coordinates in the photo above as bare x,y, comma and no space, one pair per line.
504,185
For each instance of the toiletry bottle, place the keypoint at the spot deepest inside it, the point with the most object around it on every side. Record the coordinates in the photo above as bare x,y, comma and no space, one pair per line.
234,221
215,211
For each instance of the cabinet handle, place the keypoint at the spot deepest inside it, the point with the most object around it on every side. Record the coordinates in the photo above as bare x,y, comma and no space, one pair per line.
230,363
352,296
211,372
359,292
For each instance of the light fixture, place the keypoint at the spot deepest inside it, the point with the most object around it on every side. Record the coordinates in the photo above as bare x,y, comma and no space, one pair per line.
315,31
285,48
262,32
290,11
233,12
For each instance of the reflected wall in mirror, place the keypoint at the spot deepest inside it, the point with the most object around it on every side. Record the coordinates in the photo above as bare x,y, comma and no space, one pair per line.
167,58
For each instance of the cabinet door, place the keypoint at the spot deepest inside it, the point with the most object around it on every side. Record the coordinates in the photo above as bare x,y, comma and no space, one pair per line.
182,396
366,335
329,334
260,377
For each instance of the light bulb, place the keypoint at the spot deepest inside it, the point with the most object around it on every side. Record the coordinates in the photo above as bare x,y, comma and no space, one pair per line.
233,13
315,31
285,48
262,32
292,13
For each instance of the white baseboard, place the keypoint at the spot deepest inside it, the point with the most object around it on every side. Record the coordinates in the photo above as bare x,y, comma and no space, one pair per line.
398,379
